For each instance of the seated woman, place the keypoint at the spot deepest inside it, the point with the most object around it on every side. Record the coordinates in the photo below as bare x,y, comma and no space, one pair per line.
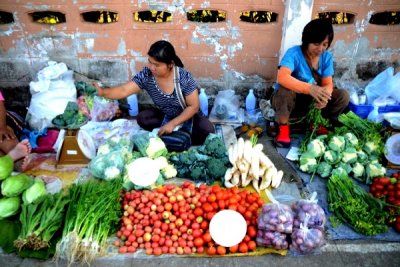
9,144
175,94
305,74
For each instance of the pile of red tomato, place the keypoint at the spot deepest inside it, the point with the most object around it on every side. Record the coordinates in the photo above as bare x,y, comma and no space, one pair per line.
174,219
388,188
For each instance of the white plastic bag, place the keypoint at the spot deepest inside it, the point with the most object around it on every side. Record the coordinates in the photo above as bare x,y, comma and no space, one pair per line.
380,86
50,95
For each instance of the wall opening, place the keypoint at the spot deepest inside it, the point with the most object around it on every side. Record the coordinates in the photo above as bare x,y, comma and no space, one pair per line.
154,16
385,18
206,15
48,17
6,17
100,16
337,17
258,16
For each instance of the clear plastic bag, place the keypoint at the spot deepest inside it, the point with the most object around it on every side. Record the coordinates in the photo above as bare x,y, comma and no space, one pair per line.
226,106
109,166
310,207
276,217
306,240
272,239
103,109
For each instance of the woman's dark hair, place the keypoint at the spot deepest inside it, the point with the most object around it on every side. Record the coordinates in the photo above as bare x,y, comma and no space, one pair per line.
316,31
163,51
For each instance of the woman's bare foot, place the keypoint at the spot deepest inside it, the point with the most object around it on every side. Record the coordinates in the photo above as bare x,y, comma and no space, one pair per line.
21,152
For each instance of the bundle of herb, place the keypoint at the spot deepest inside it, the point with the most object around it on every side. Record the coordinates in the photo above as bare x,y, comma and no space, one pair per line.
351,204
40,221
92,216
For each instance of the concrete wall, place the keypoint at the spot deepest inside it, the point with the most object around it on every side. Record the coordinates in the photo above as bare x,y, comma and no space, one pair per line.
224,55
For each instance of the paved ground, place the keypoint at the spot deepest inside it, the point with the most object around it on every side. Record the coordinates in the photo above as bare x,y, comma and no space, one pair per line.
334,253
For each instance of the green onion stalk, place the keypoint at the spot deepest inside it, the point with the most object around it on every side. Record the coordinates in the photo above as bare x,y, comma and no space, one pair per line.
351,204
40,221
92,216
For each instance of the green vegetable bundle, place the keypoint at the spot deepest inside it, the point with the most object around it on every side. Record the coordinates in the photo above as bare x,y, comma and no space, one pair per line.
93,214
351,204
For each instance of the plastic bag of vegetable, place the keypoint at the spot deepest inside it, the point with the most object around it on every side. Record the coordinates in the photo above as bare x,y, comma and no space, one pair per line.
6,167
272,239
275,216
304,208
15,185
109,166
305,240
9,206
115,142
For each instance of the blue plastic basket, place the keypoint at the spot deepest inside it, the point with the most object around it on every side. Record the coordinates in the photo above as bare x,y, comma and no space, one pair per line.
363,110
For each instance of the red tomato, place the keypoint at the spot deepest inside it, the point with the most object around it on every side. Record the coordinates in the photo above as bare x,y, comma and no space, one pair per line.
221,250
251,245
207,237
234,249
211,250
198,242
251,231
243,248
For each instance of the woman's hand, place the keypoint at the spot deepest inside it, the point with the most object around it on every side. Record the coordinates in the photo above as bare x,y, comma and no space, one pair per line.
98,89
166,129
6,134
321,96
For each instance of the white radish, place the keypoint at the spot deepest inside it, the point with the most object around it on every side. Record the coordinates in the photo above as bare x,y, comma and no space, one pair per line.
256,185
279,177
236,178
274,177
228,184
255,160
230,154
267,178
240,148
228,174
248,149
265,161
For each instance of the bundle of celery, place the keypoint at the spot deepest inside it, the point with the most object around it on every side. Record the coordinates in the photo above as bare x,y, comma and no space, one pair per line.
92,216
40,221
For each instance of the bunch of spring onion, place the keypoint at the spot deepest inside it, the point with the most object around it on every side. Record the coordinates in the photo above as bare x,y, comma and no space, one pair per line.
92,216
40,221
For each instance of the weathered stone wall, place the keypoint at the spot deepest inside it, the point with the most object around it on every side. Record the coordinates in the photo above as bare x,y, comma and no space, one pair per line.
225,55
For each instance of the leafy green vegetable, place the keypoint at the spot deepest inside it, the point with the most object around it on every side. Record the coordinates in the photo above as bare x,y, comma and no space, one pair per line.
34,192
324,169
337,143
349,155
9,231
6,166
316,148
351,204
15,185
9,206
308,163
331,157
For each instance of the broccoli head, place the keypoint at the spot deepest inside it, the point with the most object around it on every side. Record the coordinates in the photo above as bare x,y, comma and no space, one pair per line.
214,146
216,168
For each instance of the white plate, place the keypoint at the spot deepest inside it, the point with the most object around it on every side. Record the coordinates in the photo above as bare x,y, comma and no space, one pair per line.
392,149
228,228
86,144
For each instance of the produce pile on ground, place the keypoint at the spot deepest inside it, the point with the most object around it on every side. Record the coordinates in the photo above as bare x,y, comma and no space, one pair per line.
175,219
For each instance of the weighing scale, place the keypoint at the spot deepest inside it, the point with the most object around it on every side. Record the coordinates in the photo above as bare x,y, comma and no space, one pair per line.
76,149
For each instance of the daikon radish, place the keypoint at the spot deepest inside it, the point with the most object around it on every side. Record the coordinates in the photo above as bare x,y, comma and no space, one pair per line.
236,178
267,178
256,185
265,161
278,179
248,149
255,160
228,174
230,154
240,148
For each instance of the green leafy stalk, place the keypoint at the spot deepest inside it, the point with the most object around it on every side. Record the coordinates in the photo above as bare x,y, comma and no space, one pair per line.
351,204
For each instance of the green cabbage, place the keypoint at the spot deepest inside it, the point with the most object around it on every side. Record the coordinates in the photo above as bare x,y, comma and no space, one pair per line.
6,167
15,185
9,206
34,192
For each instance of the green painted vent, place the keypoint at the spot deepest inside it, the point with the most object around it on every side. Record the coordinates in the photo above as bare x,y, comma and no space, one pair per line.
206,15
48,17
258,16
152,16
100,16
385,18
337,17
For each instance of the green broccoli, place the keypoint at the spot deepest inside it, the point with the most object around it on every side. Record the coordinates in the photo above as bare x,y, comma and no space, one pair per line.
216,168
214,146
197,173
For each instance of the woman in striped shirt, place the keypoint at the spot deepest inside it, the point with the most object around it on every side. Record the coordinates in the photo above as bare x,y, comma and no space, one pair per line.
175,95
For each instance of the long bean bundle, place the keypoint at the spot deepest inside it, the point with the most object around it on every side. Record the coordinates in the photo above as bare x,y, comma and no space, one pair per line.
93,214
